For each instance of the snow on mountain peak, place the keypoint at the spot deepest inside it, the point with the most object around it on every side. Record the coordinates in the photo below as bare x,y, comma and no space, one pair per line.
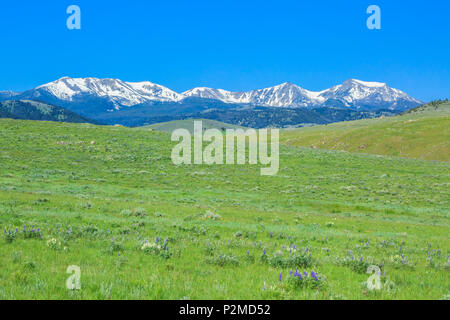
367,84
356,92
351,93
118,91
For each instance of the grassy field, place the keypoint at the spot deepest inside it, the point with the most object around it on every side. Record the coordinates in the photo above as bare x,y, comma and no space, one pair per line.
420,134
109,200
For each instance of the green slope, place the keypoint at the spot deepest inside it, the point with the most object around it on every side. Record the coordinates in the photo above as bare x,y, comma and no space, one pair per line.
101,192
34,110
422,133
189,125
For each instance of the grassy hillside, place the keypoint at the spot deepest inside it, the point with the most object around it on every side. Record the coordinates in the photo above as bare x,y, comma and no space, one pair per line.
34,110
189,125
422,133
107,198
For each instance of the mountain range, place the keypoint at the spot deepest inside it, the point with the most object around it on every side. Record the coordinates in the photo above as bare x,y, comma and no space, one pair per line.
114,100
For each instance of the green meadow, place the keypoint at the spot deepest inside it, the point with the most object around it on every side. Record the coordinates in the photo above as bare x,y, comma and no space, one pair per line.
109,200
421,133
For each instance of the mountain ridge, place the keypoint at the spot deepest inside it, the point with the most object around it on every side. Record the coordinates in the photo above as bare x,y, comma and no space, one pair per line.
36,110
114,94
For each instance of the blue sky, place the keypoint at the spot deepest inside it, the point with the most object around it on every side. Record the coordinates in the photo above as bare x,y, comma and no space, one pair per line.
234,45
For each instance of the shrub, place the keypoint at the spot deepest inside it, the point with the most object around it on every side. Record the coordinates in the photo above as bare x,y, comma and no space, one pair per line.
223,260
358,266
54,244
140,212
293,259
155,248
126,212
10,236
209,215
115,247
312,280
32,233
401,262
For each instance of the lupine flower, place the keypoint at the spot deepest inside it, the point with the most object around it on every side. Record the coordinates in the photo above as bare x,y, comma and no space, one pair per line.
281,276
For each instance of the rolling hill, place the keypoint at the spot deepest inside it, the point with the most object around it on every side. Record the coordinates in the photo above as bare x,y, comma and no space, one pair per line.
34,110
421,133
189,125
110,201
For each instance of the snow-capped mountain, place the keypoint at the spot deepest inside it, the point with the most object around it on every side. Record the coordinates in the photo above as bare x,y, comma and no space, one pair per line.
352,93
284,95
375,95
118,92
92,96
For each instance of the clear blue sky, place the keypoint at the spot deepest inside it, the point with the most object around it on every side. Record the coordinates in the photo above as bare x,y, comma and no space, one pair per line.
234,45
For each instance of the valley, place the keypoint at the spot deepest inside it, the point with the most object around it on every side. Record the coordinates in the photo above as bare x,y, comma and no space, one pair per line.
110,201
